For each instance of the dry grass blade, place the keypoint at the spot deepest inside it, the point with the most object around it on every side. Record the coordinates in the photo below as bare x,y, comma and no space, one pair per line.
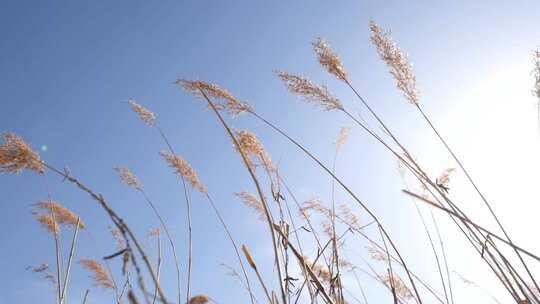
98,273
16,155
328,59
318,95
397,62
145,115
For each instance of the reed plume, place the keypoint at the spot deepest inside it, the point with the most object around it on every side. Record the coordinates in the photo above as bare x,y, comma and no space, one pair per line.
199,299
182,168
145,115
396,60
444,179
48,222
253,203
536,74
98,273
318,95
62,215
253,148
16,156
128,178
328,59
232,105
342,139
395,282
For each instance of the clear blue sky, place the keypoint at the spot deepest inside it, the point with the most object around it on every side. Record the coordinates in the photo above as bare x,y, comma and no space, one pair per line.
67,69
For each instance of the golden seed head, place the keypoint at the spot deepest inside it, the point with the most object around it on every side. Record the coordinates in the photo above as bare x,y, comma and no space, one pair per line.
328,59
349,218
342,139
536,73
253,203
253,148
317,95
249,258
16,155
321,271
444,178
377,254
199,299
400,288
146,115
316,205
232,105
48,221
98,273
397,62
182,168
62,215
129,178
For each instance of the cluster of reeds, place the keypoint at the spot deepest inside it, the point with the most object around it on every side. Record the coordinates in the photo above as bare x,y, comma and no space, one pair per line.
302,274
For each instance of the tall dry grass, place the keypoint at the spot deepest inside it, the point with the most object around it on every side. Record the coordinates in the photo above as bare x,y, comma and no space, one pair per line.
294,228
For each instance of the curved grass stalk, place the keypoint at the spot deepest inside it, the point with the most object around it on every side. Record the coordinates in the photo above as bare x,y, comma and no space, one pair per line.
259,191
167,234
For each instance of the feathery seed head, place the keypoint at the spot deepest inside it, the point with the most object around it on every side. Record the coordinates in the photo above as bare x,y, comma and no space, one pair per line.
401,289
62,215
321,271
182,168
317,95
253,203
343,134
536,73
377,254
252,147
129,178
146,115
444,178
16,155
397,62
199,299
98,273
349,218
328,59
232,105
47,221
